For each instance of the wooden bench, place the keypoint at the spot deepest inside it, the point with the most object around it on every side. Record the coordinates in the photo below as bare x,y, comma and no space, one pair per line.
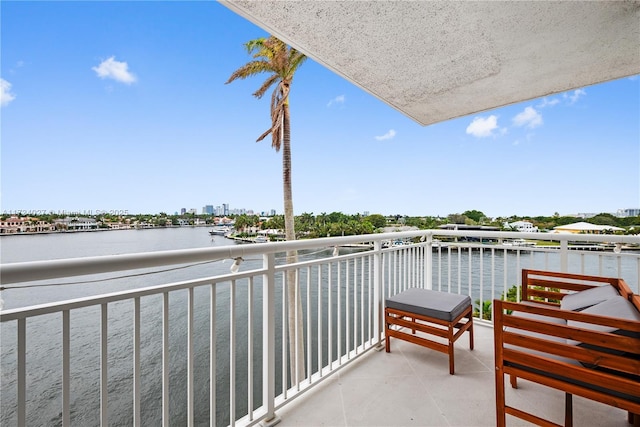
570,333
429,312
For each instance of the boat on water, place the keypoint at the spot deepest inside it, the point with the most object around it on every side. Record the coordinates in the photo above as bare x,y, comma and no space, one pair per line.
519,242
220,230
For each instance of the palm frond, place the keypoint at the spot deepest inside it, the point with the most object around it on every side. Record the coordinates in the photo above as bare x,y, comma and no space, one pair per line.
266,85
250,69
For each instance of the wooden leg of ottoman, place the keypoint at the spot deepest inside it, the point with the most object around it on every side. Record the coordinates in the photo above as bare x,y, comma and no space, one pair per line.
451,341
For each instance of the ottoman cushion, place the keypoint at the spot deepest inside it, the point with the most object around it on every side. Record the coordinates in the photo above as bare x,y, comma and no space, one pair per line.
434,304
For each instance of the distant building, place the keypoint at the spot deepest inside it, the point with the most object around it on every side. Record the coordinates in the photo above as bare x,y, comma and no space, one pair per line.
625,213
183,211
76,223
586,228
208,210
225,209
16,224
522,226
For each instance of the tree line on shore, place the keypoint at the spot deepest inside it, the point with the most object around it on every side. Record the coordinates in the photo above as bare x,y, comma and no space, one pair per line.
340,224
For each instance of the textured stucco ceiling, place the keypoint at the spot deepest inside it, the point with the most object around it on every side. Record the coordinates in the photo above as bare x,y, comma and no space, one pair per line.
436,60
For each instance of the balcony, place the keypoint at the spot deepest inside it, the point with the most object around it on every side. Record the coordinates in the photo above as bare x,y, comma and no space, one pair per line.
186,349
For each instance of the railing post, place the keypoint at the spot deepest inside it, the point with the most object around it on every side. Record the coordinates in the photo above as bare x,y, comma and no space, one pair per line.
429,263
269,340
564,255
378,293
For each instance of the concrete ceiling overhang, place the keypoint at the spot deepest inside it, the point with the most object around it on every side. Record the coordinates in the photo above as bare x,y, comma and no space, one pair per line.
437,60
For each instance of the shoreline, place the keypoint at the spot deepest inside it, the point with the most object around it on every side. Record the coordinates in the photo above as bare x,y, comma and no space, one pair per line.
40,233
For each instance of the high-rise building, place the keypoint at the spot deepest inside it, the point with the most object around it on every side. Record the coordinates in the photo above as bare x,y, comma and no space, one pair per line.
183,211
208,210
624,213
225,209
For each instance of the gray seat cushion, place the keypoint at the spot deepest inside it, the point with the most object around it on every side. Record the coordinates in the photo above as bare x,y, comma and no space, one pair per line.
580,300
434,304
617,307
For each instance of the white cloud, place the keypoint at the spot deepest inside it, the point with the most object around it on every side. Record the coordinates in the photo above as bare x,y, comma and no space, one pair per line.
337,100
116,70
529,118
574,96
481,127
5,93
546,102
388,135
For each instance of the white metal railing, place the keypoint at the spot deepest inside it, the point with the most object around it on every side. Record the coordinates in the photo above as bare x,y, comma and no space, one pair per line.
214,348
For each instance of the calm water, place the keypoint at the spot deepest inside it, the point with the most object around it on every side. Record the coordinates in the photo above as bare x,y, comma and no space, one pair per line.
85,244
44,349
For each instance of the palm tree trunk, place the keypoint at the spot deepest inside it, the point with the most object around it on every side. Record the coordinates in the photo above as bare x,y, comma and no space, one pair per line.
294,305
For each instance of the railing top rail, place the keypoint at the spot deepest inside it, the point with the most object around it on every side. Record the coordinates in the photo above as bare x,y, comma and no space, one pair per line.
52,269
55,307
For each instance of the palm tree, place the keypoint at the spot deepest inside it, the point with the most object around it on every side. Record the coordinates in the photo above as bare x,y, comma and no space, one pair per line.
280,62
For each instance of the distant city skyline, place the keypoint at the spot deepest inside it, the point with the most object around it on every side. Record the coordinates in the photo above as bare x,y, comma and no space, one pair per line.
135,116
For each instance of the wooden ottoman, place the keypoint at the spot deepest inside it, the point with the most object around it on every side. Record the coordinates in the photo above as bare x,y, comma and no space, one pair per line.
429,313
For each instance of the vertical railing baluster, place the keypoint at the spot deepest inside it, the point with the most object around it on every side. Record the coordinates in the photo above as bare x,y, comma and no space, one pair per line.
439,267
269,339
355,305
505,278
378,293
339,309
232,353
309,369
362,282
347,312
212,355
493,274
190,357
22,372
459,270
448,270
104,381
469,263
429,262
369,298
481,261
296,337
165,359
320,321
600,266
396,271
284,335
405,270
136,362
330,318
564,256
66,374
250,349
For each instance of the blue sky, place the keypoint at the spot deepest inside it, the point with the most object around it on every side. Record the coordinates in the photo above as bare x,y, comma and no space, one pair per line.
122,106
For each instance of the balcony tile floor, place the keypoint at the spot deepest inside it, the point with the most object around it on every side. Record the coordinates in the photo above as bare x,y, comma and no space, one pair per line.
411,386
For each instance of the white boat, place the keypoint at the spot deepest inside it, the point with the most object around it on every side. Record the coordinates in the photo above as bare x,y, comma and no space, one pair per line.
261,239
220,230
